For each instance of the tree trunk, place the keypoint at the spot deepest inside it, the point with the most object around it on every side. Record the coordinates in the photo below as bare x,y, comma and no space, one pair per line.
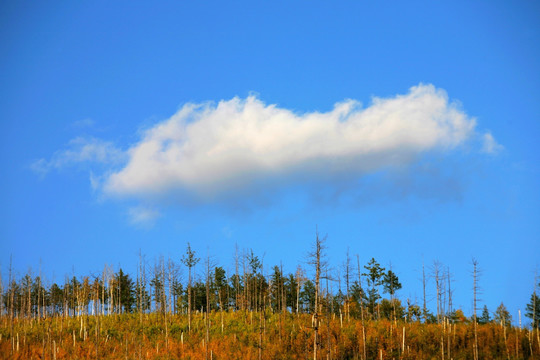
475,288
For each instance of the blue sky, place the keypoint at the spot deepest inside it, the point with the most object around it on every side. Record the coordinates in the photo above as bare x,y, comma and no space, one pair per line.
407,132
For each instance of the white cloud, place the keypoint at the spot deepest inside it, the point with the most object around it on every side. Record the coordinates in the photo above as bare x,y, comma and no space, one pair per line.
143,216
81,150
489,145
208,149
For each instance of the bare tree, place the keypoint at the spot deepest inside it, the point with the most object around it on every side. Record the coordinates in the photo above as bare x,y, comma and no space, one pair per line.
439,283
283,295
112,284
449,276
141,286
347,268
475,293
236,279
450,292
300,279
38,291
316,258
190,260
1,295
11,295
103,280
208,274
438,276
424,309
361,305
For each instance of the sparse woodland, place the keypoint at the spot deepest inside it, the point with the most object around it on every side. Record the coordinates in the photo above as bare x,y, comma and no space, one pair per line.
254,312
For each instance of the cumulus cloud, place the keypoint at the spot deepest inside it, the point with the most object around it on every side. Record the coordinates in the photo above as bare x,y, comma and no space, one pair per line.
81,150
210,149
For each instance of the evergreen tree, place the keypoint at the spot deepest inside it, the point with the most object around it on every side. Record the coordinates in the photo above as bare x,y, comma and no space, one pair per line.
177,291
254,262
237,288
198,292
56,296
484,318
157,291
389,307
252,285
290,292
220,284
189,260
374,276
336,301
277,284
70,292
533,310
391,283
456,316
127,291
357,294
307,296
414,313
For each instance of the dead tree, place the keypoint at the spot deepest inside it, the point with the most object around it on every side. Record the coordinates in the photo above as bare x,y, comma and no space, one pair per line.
347,267
316,258
283,295
300,278
190,260
208,275
141,288
439,283
1,296
424,310
236,279
475,293
437,275
11,297
361,306
448,345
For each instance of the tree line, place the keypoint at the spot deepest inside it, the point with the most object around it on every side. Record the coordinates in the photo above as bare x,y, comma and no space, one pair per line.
362,297
367,292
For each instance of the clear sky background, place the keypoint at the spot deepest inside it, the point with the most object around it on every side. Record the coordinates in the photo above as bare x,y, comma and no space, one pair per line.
406,131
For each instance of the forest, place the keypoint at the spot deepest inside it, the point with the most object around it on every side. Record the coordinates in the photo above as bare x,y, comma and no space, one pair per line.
354,313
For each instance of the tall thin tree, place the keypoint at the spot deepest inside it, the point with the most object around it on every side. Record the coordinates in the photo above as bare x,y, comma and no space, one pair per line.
189,260
316,258
475,293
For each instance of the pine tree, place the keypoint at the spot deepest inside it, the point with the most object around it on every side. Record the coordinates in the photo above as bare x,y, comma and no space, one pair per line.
291,284
220,282
276,280
484,318
158,290
127,291
391,283
357,294
533,310
374,277
307,296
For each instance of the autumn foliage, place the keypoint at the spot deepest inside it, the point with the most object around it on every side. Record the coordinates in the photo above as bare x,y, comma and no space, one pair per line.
254,335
